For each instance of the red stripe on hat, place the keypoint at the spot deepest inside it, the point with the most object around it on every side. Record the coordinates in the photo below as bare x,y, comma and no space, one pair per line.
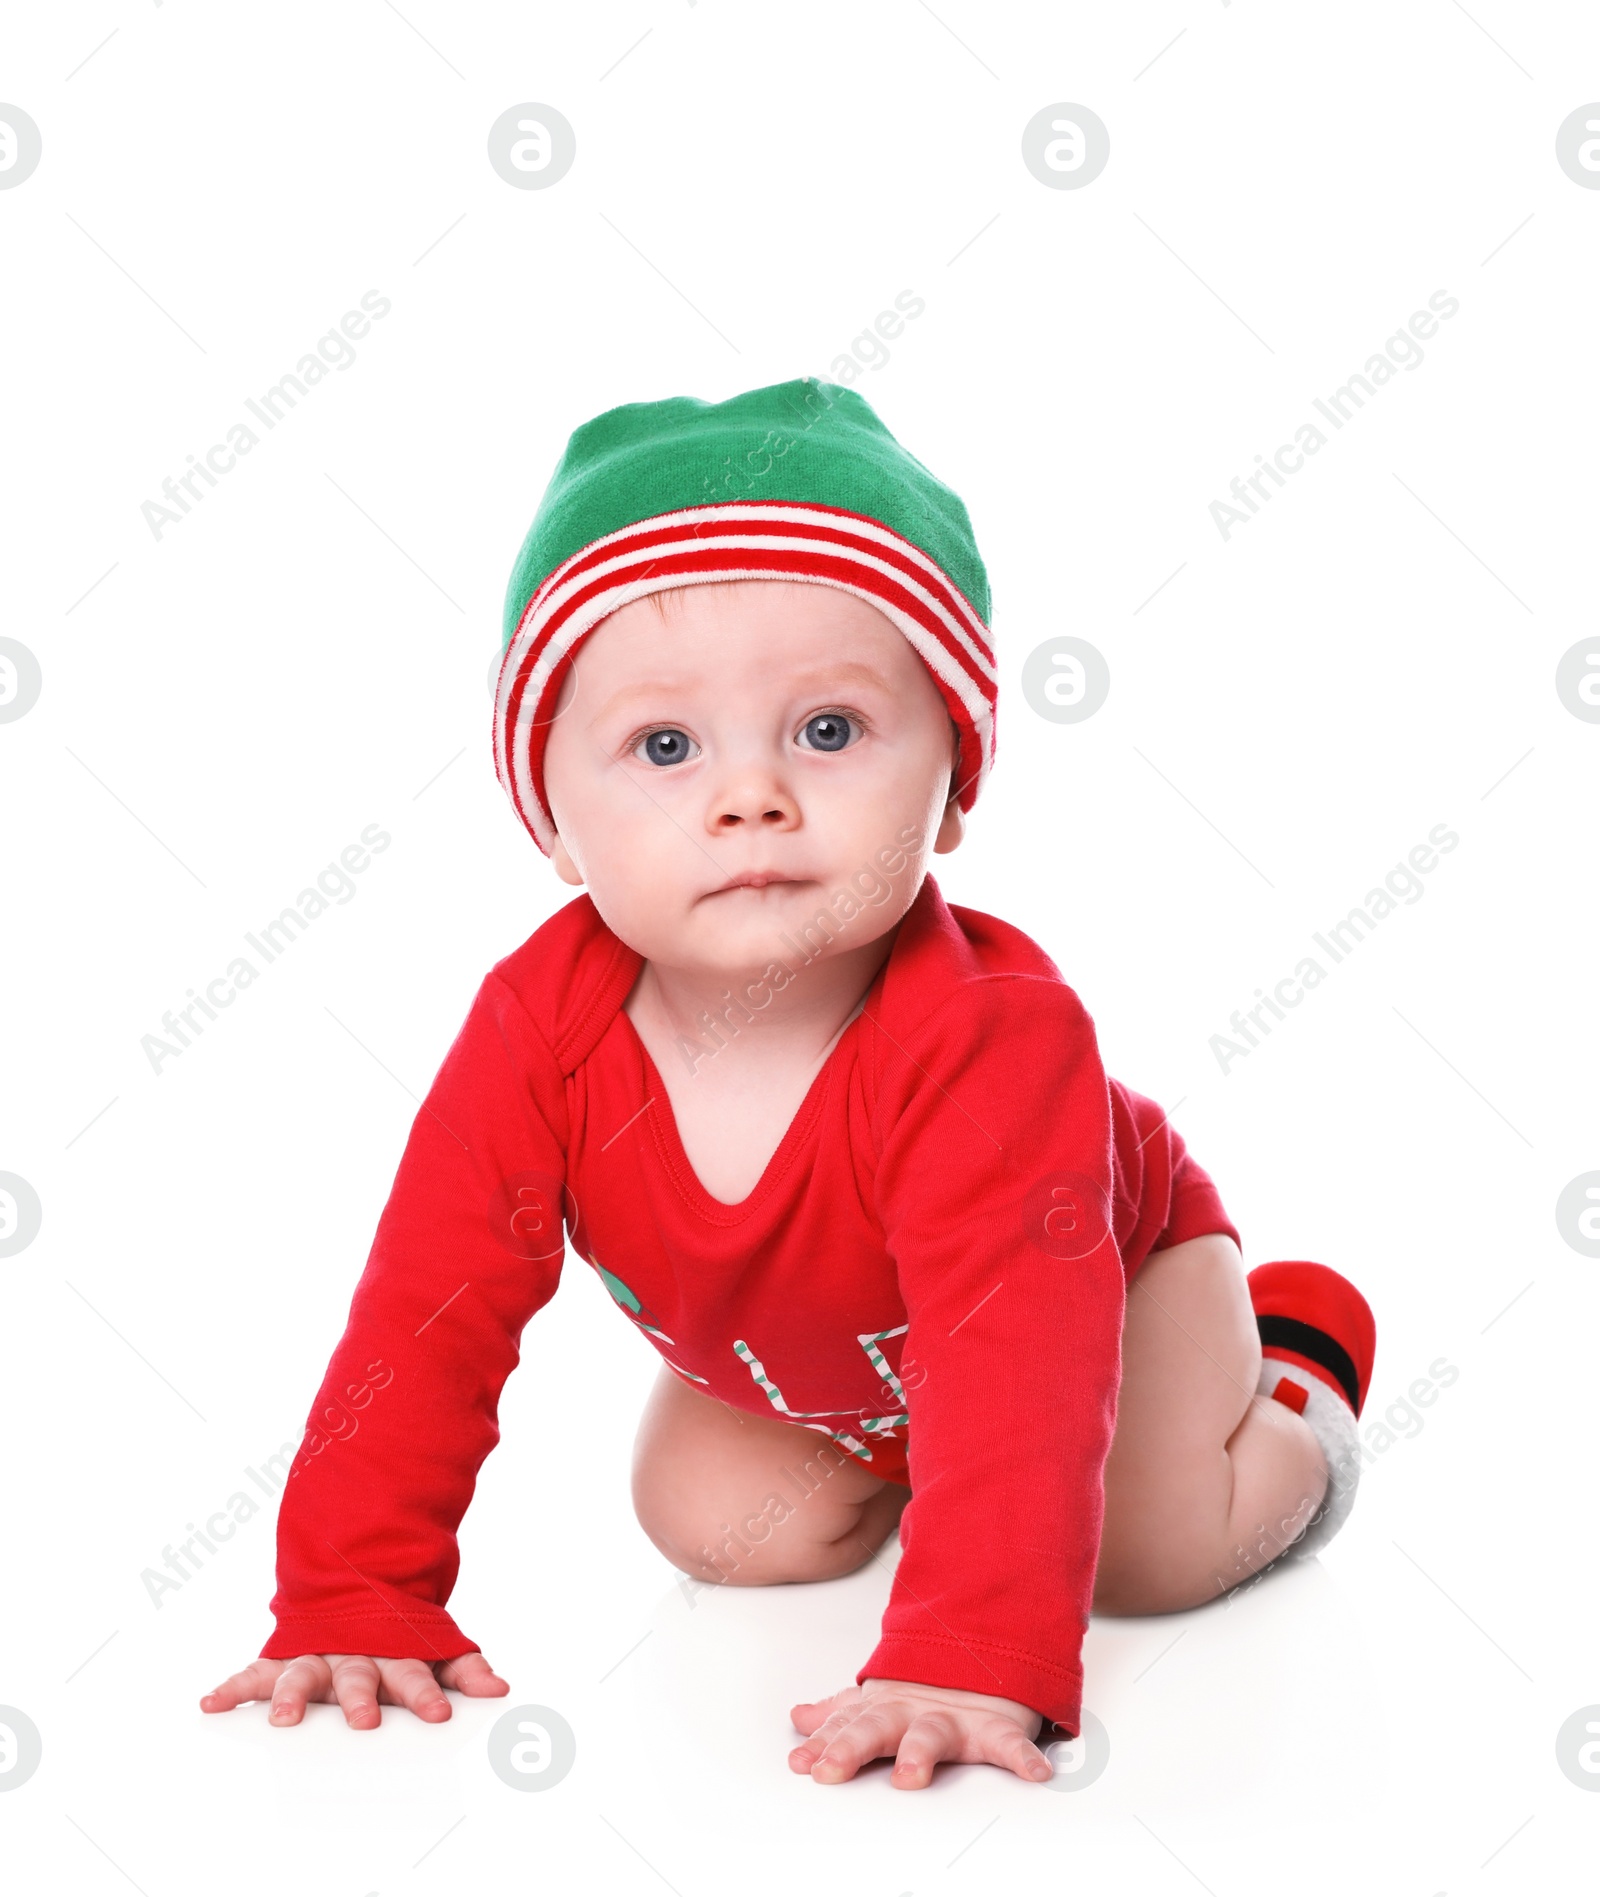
741,517
716,557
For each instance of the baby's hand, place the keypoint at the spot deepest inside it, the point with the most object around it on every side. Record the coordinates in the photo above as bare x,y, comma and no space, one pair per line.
359,1683
918,1724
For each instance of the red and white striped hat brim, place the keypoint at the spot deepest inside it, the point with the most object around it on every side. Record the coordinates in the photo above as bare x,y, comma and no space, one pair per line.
738,541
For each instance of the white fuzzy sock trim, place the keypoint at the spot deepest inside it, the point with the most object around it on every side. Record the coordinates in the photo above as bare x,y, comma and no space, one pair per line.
1334,1427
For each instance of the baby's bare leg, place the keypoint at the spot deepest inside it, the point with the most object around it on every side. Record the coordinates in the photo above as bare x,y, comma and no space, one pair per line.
1206,1482
727,1496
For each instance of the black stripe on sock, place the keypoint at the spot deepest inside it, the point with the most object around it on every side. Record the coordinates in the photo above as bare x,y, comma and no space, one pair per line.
1290,1334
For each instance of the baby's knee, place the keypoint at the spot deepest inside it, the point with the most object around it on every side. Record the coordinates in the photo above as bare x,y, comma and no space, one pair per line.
778,1541
757,1553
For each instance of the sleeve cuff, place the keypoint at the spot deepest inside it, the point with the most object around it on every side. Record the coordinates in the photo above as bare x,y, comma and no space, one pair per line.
385,1635
981,1666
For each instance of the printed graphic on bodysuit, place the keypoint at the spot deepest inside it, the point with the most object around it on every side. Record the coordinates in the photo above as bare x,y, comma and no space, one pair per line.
870,1425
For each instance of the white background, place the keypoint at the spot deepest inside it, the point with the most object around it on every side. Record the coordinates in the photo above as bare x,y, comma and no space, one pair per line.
1292,709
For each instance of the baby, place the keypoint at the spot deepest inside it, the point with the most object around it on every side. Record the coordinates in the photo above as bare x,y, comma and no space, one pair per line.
843,1153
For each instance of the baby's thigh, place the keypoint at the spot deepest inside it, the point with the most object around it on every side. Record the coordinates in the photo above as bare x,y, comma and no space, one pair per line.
1190,1359
728,1496
1190,1351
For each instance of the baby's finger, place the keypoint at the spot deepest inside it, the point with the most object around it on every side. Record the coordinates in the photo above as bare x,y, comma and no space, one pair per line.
302,1679
803,1757
809,1714
411,1683
255,1681
1005,1745
873,1733
472,1674
929,1738
355,1686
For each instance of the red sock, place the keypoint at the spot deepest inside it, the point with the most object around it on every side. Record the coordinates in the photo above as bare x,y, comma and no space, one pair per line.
1311,1317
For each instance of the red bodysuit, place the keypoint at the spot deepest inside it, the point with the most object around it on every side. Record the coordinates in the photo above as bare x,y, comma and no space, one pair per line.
930,1275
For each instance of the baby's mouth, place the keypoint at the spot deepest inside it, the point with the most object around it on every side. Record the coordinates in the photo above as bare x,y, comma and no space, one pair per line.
757,882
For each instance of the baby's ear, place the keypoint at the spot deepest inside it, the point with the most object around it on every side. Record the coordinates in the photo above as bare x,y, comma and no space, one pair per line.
952,827
566,869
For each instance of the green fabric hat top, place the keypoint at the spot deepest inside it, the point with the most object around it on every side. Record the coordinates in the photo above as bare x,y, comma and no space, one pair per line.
799,481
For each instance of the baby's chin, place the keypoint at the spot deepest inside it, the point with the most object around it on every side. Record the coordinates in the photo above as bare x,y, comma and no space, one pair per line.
730,931
748,927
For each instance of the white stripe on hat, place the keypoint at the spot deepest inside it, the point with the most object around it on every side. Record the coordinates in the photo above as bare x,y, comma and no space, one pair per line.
827,519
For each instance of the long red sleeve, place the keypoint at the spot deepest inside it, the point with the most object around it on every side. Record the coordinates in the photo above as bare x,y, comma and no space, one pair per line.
468,1248
1012,1354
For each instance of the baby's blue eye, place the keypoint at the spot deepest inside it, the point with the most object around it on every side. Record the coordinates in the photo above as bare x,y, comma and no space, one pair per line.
828,731
664,747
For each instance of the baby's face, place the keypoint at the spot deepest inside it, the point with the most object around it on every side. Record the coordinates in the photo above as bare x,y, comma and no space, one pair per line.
723,769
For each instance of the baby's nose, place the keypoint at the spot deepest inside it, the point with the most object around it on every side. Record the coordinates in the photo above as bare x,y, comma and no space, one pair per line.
754,799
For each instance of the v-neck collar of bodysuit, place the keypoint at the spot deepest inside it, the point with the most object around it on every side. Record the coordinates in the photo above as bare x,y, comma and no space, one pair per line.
669,1141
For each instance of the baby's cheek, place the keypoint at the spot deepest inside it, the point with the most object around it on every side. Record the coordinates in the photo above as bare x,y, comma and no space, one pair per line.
647,896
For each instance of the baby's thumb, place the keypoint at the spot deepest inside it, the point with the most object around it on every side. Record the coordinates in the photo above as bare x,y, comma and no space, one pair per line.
807,1714
472,1674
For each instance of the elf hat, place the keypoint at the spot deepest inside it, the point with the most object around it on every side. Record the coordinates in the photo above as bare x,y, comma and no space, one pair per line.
800,481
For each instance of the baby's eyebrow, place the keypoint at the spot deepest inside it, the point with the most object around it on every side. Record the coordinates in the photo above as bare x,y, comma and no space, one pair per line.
816,678
849,672
648,688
